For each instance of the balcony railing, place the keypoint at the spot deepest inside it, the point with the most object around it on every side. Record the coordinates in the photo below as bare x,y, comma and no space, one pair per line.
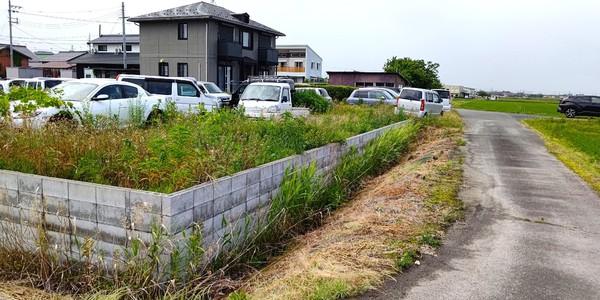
230,50
291,69
267,56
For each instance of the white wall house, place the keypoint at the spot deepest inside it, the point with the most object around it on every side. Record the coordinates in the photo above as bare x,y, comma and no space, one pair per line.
299,62
113,43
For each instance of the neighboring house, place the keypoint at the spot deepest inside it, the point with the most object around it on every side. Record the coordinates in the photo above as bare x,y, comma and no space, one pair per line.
21,57
43,54
207,42
459,91
366,79
59,64
105,59
299,62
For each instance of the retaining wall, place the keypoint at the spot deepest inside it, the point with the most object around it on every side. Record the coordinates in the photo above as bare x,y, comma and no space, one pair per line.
71,210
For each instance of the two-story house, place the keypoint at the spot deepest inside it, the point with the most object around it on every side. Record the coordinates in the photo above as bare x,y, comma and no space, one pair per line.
105,57
299,62
208,42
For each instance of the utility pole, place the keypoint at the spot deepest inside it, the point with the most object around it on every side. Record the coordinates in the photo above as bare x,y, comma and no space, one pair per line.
12,9
124,37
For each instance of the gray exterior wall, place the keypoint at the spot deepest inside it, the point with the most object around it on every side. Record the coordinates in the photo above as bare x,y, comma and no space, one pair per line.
71,211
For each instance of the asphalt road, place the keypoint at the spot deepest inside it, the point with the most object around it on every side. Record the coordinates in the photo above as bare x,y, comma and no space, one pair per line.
532,227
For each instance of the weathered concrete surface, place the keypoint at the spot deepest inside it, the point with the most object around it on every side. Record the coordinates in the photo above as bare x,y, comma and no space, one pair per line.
532,228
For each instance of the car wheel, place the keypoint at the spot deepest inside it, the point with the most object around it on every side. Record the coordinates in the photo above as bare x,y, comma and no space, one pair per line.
62,118
571,113
155,117
442,113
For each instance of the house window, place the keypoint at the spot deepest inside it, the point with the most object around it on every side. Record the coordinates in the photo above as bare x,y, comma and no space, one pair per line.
128,48
102,48
312,65
163,69
247,40
282,64
318,66
182,69
182,31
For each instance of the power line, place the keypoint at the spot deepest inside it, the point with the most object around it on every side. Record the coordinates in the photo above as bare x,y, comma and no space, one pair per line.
46,39
70,19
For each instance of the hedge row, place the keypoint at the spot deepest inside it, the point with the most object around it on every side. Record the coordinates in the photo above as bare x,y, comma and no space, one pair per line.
337,92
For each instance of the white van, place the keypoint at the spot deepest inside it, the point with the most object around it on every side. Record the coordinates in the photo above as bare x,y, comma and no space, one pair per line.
183,91
420,102
44,83
269,99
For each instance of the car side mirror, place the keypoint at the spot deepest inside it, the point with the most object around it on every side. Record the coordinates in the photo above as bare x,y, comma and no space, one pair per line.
284,99
101,97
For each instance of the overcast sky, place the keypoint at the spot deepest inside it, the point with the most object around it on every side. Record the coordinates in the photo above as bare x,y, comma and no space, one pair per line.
519,45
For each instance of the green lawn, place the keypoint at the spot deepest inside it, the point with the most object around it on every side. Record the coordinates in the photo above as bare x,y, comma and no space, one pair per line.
575,142
542,107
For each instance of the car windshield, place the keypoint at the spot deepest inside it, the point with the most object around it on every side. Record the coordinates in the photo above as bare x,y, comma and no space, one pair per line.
411,95
262,93
212,88
73,91
443,94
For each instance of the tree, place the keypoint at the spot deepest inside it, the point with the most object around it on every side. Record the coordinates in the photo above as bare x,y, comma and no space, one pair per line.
419,73
483,94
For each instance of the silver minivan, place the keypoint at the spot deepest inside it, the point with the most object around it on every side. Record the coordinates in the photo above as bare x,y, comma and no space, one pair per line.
371,96
420,102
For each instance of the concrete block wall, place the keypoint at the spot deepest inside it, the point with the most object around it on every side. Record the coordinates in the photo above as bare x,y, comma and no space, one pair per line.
71,211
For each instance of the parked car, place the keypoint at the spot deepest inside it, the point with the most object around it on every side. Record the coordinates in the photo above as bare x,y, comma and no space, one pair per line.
446,98
44,83
211,90
98,97
319,91
269,99
183,91
235,97
371,96
573,106
6,85
420,102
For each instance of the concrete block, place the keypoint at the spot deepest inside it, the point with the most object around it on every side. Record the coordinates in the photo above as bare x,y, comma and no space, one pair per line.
203,194
265,199
82,192
55,188
31,201
112,234
176,224
9,180
222,186
114,197
277,180
114,216
238,181
265,185
266,171
11,214
219,221
253,176
253,191
56,205
238,197
252,204
58,223
9,197
278,168
31,216
107,251
176,203
141,220
30,183
82,210
222,204
146,201
203,211
207,227
237,212
288,163
84,229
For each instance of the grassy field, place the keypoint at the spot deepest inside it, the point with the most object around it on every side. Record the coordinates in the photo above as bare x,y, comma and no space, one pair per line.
542,107
576,143
184,151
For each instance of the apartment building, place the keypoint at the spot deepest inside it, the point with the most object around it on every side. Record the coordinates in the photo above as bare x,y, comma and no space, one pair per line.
299,62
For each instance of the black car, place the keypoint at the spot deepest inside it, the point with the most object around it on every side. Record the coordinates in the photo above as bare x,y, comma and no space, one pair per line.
580,106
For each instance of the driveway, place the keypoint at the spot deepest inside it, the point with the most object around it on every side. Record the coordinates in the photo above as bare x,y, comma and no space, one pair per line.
532,227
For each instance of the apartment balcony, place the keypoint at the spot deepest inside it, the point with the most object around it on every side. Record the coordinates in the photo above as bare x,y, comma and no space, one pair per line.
230,50
291,69
268,56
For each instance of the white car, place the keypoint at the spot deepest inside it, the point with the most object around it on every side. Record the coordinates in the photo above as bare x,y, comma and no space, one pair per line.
319,91
269,99
183,91
96,97
43,83
211,90
446,98
419,102
6,85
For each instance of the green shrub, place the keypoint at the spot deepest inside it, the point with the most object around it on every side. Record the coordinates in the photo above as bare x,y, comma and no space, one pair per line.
310,99
339,92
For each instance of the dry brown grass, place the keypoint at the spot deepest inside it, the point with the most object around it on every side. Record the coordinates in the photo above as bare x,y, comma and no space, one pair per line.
18,291
357,248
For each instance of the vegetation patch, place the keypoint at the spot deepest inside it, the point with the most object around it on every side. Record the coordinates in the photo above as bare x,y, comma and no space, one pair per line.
544,107
393,219
184,151
575,142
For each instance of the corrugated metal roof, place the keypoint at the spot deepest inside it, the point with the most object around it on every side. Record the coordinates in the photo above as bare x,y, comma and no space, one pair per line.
202,10
106,59
21,49
116,39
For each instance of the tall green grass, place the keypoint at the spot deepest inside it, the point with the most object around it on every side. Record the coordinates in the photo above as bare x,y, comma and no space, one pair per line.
184,151
532,107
